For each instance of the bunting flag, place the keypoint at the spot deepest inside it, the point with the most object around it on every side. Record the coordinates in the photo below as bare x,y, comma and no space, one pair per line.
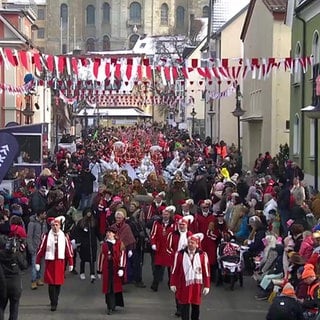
136,68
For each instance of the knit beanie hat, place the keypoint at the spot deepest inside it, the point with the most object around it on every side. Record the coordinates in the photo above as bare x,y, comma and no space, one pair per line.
308,271
288,291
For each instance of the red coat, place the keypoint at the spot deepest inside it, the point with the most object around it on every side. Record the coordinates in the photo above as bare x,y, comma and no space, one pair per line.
54,269
173,242
158,236
153,210
208,245
190,294
119,262
103,213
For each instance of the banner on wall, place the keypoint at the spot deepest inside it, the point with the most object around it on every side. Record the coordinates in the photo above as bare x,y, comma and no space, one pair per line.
9,149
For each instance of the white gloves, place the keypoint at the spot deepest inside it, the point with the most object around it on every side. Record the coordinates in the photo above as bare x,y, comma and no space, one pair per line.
73,244
154,247
70,268
130,253
37,266
205,291
120,273
173,289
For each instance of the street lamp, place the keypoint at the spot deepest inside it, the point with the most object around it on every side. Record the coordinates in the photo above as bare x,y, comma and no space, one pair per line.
28,112
193,115
238,112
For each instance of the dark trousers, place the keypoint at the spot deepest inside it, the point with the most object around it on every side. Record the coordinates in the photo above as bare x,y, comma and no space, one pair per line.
249,265
185,311
111,301
54,291
137,262
82,266
284,217
14,289
158,275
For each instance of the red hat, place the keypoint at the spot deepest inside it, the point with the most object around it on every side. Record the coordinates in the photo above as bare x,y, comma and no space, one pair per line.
159,194
188,202
53,219
183,219
171,209
197,237
205,203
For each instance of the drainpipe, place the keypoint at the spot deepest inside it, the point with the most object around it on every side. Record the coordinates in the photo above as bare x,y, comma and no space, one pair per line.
303,80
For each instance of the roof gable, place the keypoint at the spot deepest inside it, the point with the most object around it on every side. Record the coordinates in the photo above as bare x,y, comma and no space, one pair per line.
14,34
277,8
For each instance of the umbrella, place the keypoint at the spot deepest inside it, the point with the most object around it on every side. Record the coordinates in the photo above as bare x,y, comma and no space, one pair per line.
143,198
155,148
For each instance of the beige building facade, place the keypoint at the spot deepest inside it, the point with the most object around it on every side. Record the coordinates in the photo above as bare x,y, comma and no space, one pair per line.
267,101
102,25
226,43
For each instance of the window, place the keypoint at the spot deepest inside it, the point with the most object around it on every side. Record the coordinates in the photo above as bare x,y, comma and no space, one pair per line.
90,45
106,13
296,135
91,14
287,125
41,14
40,34
312,137
164,14
64,48
315,87
106,43
180,17
132,41
135,12
297,66
205,12
64,13
315,49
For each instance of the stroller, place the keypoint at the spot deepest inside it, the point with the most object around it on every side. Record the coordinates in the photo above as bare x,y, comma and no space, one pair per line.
230,264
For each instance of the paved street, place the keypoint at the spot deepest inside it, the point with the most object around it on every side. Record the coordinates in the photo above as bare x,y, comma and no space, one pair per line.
80,299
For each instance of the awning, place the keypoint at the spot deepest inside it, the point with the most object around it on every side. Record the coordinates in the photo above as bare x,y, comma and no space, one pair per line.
112,112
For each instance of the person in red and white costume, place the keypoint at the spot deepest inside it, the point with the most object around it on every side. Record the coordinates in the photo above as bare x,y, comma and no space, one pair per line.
55,247
155,208
178,240
201,223
190,277
111,265
186,207
158,240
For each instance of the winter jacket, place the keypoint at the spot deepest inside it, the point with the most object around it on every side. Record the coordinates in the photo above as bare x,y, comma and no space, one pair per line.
306,248
86,235
299,216
284,199
285,308
38,202
86,179
244,230
257,245
36,229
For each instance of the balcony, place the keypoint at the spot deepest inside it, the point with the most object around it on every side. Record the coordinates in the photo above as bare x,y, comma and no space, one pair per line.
134,22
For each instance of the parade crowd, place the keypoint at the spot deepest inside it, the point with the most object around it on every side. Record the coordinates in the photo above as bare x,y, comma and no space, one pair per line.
146,190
